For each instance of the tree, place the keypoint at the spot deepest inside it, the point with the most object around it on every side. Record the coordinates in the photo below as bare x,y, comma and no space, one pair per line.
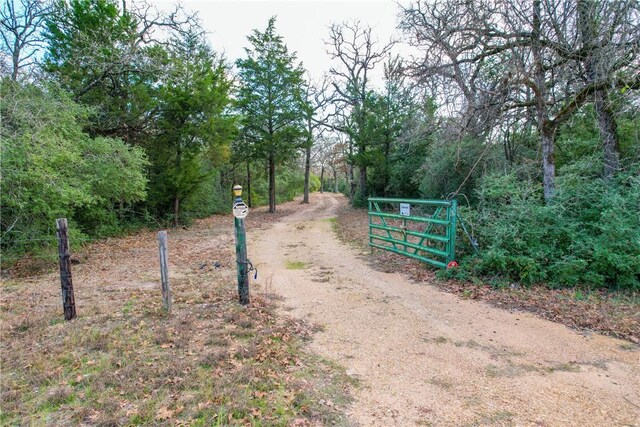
327,154
605,32
271,101
354,48
448,35
193,119
391,121
20,28
105,56
529,59
316,118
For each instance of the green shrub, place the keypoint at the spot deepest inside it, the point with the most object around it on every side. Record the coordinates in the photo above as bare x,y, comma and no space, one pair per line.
52,169
589,235
314,183
289,183
449,166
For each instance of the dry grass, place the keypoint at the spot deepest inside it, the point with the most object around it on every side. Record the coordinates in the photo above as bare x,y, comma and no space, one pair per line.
124,361
613,314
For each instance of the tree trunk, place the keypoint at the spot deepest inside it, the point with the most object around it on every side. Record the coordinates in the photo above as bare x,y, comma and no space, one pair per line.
335,180
272,184
508,150
322,179
351,177
248,184
176,200
545,129
363,181
176,211
16,64
352,183
607,126
588,27
307,171
548,162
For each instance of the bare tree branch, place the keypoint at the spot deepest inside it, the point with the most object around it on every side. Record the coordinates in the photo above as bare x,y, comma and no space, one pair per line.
20,30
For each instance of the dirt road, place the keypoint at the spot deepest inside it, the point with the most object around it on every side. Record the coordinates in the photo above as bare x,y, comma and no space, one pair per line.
425,357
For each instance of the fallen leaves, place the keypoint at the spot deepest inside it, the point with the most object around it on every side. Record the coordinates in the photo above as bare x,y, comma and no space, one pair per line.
143,366
164,413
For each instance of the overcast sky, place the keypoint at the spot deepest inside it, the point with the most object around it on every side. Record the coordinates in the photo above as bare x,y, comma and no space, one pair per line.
302,23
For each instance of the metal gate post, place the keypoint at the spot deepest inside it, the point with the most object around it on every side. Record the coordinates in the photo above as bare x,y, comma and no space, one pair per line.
453,214
370,222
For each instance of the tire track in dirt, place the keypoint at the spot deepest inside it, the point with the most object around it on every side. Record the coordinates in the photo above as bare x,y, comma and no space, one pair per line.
425,357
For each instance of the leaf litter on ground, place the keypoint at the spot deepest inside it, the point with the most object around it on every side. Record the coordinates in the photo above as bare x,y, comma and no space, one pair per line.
125,361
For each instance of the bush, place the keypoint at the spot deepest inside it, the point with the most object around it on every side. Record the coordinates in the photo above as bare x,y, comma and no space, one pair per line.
210,197
52,169
589,235
314,183
289,183
448,164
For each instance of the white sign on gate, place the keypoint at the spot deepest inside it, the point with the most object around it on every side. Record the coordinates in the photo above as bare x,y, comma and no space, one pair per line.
405,209
240,210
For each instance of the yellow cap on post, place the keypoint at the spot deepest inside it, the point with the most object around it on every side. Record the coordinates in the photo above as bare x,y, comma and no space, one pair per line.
237,190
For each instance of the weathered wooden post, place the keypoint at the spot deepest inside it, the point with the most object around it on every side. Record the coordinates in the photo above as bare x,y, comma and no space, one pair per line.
164,270
68,300
240,211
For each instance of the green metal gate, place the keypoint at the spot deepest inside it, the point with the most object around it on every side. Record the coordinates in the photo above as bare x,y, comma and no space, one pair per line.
420,229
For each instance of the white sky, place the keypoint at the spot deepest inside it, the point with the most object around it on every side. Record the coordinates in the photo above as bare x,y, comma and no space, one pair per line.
303,24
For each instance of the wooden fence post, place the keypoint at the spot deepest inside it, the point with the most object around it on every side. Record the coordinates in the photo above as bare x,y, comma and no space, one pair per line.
164,270
68,300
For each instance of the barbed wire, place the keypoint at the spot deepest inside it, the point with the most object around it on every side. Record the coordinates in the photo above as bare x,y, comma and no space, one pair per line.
104,239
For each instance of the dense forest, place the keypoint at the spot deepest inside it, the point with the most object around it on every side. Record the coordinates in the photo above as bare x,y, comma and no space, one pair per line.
117,115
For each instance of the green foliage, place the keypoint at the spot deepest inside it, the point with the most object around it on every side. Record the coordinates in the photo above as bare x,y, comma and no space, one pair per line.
194,129
51,168
211,196
172,98
404,169
314,183
94,52
590,235
586,237
271,102
289,184
628,125
449,166
360,199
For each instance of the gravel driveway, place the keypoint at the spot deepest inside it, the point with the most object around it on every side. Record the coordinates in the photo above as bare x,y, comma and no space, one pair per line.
425,357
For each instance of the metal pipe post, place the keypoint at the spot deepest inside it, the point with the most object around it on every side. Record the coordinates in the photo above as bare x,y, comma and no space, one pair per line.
241,260
240,210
